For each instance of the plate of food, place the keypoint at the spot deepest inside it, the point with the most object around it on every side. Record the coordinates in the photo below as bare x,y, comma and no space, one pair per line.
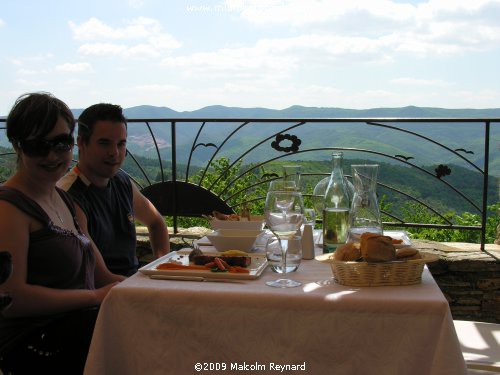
231,264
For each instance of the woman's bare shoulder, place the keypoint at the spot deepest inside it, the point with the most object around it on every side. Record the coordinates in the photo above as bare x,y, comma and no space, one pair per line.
12,216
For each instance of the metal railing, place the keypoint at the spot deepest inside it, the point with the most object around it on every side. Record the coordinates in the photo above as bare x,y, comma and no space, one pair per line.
192,145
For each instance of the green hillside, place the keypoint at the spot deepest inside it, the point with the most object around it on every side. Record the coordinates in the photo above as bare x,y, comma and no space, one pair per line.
408,180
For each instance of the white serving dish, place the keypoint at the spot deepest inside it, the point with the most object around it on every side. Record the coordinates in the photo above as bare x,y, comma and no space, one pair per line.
237,224
234,239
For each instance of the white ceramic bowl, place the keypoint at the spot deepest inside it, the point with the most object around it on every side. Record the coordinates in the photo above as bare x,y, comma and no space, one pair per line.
237,224
234,239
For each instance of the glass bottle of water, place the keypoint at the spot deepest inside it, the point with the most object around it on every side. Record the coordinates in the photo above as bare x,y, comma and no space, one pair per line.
318,197
336,207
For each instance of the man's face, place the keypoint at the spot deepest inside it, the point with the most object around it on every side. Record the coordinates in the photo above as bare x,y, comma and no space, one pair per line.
103,155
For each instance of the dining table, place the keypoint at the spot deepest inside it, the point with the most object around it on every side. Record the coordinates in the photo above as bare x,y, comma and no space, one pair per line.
154,326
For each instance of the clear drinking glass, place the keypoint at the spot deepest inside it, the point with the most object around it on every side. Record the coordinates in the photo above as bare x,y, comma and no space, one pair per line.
293,253
284,214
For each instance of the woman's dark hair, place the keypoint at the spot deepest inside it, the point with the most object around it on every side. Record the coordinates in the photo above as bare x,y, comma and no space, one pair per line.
98,112
35,115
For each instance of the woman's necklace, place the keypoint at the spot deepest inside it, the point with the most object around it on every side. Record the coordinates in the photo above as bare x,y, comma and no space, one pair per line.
54,210
59,216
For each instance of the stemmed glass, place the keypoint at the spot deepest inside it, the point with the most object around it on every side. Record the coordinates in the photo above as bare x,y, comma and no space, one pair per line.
284,212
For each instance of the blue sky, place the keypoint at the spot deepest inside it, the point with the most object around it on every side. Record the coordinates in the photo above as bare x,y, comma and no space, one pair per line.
189,54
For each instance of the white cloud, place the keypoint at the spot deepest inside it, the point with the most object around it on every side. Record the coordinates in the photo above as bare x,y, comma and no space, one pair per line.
279,58
388,31
436,26
241,62
142,51
420,82
74,67
299,12
94,29
102,49
2,22
141,37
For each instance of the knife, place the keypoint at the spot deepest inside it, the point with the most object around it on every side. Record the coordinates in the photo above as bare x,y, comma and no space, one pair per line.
194,278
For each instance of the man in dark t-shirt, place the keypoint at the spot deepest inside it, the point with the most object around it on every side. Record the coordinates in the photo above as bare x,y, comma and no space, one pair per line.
110,201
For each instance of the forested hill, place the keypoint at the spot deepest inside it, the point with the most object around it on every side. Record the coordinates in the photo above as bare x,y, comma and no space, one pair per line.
417,184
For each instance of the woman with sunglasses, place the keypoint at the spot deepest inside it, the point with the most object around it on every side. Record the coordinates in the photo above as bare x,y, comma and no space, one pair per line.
58,275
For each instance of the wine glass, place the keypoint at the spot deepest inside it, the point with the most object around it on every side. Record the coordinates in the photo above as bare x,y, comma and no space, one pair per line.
293,254
284,212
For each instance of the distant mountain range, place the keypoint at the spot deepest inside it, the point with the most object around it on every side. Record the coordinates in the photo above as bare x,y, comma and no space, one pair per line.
308,112
219,111
467,136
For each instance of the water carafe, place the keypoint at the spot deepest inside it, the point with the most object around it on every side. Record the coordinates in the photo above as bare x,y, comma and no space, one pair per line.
365,212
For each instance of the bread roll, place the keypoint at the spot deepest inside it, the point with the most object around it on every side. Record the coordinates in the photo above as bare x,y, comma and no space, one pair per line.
348,252
406,252
378,249
363,241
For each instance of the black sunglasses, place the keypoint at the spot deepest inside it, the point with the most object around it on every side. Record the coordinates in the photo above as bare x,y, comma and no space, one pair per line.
42,147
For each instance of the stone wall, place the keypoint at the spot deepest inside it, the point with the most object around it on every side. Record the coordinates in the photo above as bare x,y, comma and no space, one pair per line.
469,278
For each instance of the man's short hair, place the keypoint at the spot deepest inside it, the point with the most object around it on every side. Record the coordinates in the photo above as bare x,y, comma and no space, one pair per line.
95,113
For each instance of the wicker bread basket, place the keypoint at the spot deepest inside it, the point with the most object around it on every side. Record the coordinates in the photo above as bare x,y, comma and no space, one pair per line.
380,274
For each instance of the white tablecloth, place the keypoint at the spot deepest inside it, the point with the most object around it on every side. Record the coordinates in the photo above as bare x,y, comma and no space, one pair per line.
150,326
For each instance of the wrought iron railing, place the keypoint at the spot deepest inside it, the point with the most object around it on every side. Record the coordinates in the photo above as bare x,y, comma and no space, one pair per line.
257,142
